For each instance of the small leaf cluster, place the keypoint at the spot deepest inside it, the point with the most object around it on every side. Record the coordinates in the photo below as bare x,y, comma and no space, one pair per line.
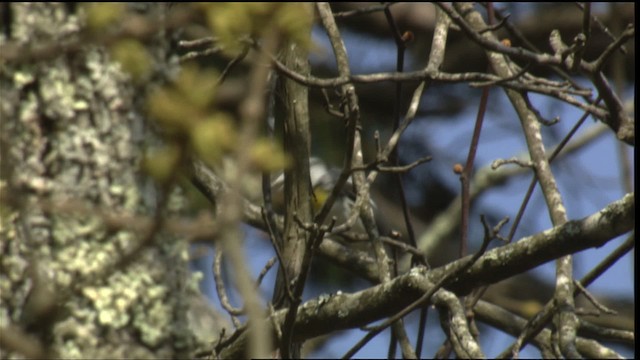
101,19
184,110
232,22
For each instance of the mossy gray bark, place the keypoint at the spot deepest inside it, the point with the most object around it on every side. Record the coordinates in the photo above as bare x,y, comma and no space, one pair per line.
72,138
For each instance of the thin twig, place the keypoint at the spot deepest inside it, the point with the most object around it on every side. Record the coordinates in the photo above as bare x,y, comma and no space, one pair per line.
593,300
629,32
362,11
222,292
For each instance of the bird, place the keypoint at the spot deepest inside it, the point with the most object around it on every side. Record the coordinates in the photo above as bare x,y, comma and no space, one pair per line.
322,181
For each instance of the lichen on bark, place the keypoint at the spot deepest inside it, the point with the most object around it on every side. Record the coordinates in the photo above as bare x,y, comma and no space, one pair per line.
72,134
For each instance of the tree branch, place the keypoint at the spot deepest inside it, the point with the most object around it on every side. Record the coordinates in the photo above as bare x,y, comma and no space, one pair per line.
343,311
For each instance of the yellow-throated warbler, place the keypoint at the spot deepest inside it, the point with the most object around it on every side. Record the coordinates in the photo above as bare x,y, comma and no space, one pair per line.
323,180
